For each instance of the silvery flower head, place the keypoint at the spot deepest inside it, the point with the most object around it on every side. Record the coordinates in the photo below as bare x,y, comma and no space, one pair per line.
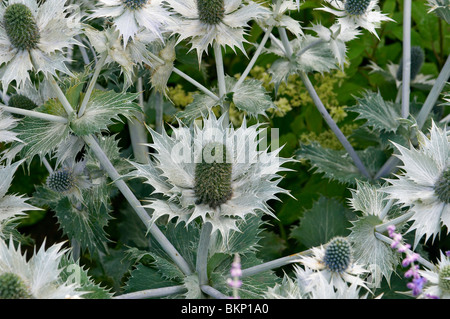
425,184
438,279
212,173
33,37
131,16
35,278
206,21
361,13
335,262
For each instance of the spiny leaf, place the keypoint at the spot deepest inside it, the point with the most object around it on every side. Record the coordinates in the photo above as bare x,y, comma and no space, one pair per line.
103,108
200,106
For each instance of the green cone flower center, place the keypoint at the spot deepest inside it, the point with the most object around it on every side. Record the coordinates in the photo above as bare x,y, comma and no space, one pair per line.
338,255
21,102
442,187
211,11
134,4
21,27
212,183
356,7
61,181
13,287
444,283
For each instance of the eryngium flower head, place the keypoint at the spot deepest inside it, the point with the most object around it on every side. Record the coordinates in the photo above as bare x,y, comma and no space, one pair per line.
438,279
417,59
424,185
61,181
213,173
33,37
338,254
335,263
206,21
131,16
361,13
37,277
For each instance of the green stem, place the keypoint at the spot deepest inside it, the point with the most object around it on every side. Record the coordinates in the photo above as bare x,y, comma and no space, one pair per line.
136,205
202,253
159,113
153,293
406,67
286,43
98,68
336,130
138,132
399,220
389,241
61,97
213,292
39,115
433,96
386,209
221,79
273,264
254,58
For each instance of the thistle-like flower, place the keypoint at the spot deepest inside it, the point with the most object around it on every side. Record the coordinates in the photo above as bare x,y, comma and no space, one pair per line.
206,21
335,263
360,13
131,16
438,280
36,278
33,37
212,173
425,184
69,180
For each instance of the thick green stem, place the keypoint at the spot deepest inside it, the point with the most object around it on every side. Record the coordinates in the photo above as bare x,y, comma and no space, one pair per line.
273,264
221,79
399,220
213,292
153,293
202,253
336,130
87,96
61,97
39,115
406,75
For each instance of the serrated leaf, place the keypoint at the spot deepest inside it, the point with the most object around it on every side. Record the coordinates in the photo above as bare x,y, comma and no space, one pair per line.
326,219
102,110
73,273
200,106
378,257
380,114
250,97
41,137
143,278
338,165
166,268
84,224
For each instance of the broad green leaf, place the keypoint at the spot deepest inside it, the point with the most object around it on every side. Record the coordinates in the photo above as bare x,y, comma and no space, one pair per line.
380,114
103,109
200,106
338,165
41,137
250,97
326,219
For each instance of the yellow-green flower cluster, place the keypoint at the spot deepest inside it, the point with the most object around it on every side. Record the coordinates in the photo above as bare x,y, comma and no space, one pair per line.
179,97
327,138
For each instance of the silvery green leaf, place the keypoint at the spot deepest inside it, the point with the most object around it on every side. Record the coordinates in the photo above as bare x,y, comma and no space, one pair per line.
338,165
441,8
200,106
73,273
41,137
318,58
378,257
380,114
326,219
166,268
102,110
11,206
6,176
250,97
